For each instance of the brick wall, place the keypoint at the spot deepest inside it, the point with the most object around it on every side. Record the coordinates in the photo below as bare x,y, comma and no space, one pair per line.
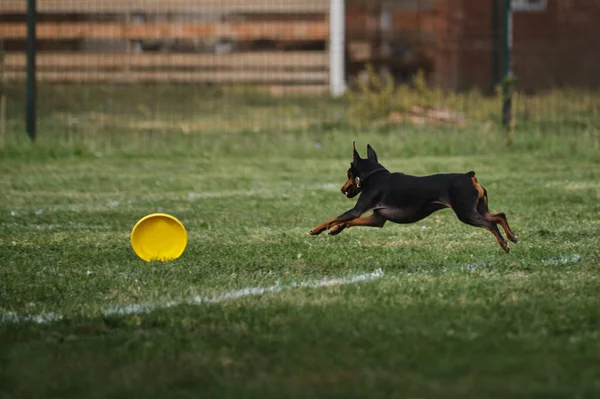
448,30
465,45
558,47
404,48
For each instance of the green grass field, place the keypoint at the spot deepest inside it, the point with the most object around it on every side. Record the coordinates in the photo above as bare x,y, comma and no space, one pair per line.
442,312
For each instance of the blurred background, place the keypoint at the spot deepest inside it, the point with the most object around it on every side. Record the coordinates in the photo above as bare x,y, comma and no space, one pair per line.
221,74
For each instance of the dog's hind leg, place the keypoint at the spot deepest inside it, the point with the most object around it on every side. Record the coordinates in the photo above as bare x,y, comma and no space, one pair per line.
466,199
499,218
471,217
375,220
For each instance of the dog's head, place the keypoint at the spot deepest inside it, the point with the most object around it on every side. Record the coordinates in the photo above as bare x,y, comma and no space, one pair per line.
358,167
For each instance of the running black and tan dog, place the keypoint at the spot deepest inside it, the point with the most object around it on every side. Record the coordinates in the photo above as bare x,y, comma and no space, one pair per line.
401,198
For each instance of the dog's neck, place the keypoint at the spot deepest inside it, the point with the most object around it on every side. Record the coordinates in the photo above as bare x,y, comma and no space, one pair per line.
363,178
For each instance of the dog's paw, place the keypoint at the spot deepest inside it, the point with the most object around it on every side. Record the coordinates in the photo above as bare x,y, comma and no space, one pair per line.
315,231
336,230
505,247
514,238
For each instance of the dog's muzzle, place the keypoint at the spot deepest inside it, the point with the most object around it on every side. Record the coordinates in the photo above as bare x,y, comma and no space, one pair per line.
350,190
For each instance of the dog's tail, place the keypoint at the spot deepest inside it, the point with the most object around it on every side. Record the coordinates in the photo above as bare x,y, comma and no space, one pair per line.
471,174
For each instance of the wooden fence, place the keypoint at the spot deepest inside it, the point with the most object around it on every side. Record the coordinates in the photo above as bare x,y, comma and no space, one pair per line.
270,42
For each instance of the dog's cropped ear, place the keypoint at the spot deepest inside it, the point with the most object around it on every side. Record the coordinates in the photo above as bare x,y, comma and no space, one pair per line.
371,153
355,156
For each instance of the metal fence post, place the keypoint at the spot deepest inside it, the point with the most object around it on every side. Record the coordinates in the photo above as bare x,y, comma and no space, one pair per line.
507,77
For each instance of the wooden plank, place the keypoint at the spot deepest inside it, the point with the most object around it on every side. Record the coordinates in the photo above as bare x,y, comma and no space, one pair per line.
296,30
266,60
262,77
160,6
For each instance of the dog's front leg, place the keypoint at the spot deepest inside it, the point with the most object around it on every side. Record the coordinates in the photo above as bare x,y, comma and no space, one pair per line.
344,217
375,220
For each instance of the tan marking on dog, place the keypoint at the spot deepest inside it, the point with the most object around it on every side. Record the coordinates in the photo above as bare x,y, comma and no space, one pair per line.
496,218
442,203
480,192
324,226
351,182
366,221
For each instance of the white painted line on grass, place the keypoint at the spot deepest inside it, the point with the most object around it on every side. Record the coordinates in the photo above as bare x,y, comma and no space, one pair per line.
563,260
55,226
142,308
42,318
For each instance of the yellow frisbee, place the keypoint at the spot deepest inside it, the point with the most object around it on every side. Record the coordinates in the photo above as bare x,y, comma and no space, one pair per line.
158,237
